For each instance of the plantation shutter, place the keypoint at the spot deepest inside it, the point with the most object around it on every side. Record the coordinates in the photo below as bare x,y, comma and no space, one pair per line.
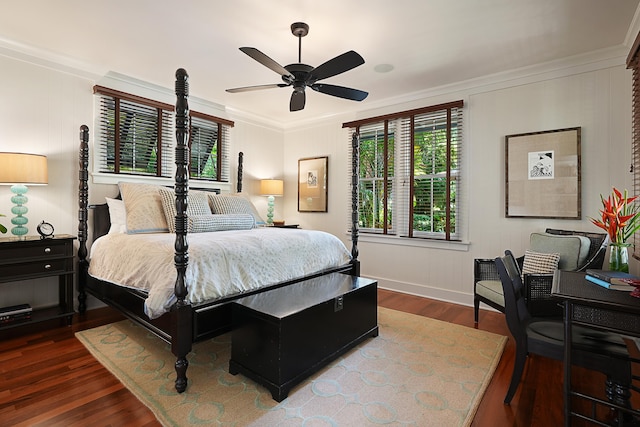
134,134
633,62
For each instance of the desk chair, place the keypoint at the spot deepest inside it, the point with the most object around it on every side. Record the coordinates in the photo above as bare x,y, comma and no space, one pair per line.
595,350
578,250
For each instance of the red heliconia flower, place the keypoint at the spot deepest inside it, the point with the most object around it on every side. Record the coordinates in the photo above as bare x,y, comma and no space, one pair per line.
619,216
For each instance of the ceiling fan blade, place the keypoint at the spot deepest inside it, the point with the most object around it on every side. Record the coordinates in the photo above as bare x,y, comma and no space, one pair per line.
298,98
258,87
266,61
340,91
337,65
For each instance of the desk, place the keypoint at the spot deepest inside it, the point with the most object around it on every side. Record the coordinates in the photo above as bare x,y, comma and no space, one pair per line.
588,304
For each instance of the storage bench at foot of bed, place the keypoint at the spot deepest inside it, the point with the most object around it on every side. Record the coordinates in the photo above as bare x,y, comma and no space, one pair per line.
282,336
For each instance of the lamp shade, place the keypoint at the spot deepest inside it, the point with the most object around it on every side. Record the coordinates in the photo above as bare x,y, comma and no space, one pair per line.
271,187
20,168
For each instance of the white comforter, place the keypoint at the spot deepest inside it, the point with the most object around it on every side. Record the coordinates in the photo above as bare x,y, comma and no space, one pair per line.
221,263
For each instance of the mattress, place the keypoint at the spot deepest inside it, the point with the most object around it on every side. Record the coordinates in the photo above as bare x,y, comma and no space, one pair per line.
221,264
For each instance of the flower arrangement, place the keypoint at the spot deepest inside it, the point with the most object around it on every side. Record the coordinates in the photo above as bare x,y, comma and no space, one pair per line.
620,217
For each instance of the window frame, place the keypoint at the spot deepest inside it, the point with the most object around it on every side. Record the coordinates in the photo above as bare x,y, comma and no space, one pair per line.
165,144
401,211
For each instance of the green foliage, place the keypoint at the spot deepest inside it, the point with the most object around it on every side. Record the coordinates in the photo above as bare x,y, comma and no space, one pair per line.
3,229
431,156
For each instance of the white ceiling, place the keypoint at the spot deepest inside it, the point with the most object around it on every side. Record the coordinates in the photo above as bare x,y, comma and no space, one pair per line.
429,43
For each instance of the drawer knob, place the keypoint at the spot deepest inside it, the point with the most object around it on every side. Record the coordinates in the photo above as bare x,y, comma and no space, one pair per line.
47,250
47,266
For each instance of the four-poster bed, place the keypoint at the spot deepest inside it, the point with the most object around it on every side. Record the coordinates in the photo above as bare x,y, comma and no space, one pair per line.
184,321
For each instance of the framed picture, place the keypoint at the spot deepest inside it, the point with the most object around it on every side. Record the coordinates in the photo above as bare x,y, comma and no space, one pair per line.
543,174
312,184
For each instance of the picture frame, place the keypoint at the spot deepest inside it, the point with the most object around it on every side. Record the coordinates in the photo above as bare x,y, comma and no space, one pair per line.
313,173
542,174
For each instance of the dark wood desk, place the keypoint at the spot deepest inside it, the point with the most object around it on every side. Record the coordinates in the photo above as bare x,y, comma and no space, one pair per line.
588,304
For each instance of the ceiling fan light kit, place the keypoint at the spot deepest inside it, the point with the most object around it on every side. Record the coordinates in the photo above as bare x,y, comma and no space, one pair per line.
300,76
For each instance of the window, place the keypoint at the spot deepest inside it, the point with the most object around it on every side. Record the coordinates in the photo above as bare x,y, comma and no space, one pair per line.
136,136
409,172
633,62
208,136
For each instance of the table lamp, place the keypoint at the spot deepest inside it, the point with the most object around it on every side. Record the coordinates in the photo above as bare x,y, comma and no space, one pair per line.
271,188
20,170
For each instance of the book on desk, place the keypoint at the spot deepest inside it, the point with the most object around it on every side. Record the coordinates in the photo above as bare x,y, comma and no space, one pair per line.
616,280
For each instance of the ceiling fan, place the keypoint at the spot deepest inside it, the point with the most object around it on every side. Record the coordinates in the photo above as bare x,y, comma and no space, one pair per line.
302,75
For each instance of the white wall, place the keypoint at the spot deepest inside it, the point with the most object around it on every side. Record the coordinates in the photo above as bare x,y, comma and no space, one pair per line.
41,109
41,112
597,99
43,106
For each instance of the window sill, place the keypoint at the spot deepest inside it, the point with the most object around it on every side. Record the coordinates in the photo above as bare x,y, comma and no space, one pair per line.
415,242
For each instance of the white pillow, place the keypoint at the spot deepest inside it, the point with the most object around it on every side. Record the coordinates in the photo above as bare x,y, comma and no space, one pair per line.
118,215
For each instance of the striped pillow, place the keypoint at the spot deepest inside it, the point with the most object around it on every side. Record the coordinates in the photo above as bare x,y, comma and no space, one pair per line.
540,263
197,204
233,204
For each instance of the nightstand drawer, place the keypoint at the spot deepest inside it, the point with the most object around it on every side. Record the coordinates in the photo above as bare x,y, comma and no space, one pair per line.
37,268
27,250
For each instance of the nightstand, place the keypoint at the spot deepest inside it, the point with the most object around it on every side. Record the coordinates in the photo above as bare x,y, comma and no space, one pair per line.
34,258
286,226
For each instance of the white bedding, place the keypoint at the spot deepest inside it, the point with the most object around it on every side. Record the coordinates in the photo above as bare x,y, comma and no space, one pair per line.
221,263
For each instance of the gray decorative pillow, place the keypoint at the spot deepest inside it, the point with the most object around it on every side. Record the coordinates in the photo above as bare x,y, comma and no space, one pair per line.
539,263
233,204
143,205
573,249
220,222
197,205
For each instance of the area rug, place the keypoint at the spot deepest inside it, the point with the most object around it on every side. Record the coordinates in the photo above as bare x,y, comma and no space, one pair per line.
417,372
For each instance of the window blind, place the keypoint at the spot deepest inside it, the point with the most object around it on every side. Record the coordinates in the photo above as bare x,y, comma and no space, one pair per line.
633,62
431,157
209,158
134,135
410,178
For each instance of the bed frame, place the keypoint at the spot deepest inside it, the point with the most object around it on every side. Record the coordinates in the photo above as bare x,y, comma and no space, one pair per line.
185,323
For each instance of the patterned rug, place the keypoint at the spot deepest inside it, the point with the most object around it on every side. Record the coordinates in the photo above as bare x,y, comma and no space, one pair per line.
418,372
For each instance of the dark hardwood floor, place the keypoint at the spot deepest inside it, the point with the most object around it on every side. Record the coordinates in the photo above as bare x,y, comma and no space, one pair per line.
48,378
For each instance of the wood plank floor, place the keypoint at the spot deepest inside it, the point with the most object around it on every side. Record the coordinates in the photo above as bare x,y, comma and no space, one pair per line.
48,378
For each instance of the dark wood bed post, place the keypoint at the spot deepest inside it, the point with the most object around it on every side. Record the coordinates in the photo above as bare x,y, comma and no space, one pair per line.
83,200
182,321
355,180
240,167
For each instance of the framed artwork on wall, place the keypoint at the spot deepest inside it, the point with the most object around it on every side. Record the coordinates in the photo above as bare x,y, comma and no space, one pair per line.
312,184
543,174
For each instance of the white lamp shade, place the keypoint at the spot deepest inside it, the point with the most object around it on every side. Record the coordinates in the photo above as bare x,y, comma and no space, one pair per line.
271,187
20,168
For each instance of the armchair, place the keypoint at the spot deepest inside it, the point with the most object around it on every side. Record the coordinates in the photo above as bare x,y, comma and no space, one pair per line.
595,350
590,253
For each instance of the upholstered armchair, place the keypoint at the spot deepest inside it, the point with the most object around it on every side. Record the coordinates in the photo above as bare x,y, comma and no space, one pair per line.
579,250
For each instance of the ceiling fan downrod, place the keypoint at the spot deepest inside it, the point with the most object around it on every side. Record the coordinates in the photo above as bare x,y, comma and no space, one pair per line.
299,29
